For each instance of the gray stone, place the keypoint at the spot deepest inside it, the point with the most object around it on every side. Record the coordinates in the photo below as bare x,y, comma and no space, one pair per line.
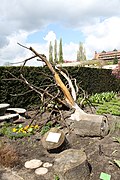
9,117
3,108
72,164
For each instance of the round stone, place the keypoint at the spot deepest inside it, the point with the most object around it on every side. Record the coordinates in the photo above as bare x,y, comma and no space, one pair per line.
41,171
32,164
47,164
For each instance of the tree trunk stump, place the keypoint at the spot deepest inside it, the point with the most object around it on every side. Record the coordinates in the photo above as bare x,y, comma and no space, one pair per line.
50,143
72,164
90,125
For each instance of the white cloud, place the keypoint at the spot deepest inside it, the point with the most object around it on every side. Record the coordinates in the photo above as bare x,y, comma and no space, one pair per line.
99,21
51,36
70,51
102,36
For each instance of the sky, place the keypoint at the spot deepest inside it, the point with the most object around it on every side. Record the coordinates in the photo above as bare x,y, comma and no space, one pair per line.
35,23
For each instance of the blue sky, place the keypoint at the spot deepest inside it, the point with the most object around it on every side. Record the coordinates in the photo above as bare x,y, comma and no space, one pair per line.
67,34
36,23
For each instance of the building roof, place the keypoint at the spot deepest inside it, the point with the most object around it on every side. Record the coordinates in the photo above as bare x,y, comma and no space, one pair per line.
110,55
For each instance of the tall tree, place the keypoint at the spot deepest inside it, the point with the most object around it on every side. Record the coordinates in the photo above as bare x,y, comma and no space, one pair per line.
81,54
55,52
60,52
50,52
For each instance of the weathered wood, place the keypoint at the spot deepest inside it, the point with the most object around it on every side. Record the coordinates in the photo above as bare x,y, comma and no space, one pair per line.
72,164
49,145
67,95
90,125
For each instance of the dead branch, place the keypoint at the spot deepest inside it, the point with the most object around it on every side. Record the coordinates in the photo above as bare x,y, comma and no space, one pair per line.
24,61
59,82
69,82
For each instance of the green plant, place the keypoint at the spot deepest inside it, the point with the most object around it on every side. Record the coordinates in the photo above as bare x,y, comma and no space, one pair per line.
18,131
56,177
23,131
100,98
46,128
5,129
112,107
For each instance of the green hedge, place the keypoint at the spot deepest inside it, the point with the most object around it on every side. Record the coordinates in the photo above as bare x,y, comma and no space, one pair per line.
91,80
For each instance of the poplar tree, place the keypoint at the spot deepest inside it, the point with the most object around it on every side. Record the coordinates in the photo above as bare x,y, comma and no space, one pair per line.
60,52
50,52
55,52
81,54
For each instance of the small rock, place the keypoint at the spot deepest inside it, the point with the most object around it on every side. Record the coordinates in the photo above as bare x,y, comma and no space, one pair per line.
47,164
41,171
19,121
32,164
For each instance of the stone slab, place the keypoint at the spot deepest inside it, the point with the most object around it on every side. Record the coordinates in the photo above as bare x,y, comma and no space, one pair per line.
9,117
17,110
3,108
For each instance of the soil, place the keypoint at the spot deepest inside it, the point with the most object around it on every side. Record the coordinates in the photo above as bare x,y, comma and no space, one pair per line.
100,152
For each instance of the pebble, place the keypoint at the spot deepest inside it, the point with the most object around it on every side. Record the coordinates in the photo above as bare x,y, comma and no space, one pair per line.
47,164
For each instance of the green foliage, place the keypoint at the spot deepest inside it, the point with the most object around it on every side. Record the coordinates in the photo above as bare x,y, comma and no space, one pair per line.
5,129
55,52
56,177
107,103
46,128
92,80
50,52
18,131
100,98
109,108
60,52
81,55
115,60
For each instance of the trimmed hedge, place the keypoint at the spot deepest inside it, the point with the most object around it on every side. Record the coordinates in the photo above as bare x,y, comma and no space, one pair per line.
91,80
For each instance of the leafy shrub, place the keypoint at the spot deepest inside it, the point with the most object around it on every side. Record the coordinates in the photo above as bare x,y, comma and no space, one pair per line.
100,98
107,103
92,80
109,108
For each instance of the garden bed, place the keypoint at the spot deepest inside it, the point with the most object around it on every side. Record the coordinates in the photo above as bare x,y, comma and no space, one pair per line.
101,152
